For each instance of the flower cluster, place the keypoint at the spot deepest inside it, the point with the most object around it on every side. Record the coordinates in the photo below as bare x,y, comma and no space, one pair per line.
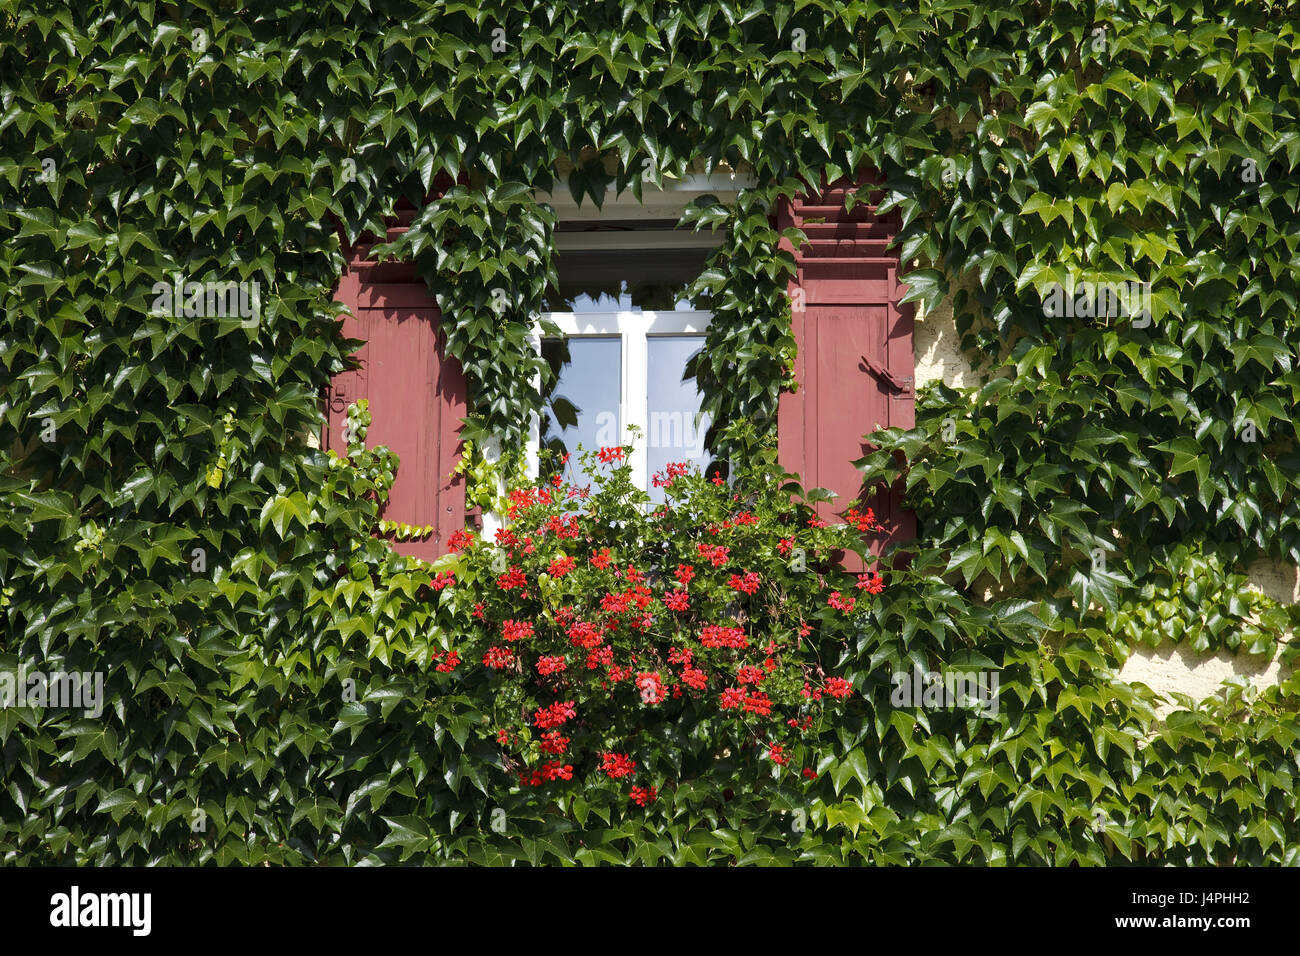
551,770
601,625
747,582
677,600
554,715
871,583
617,765
551,664
498,658
841,603
664,479
717,636
459,540
561,566
715,554
651,687
863,520
514,630
447,661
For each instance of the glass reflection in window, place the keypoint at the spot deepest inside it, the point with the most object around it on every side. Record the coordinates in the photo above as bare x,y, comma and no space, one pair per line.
672,404
582,405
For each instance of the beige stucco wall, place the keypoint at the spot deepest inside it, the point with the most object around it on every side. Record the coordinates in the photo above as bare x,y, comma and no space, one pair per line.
938,349
1166,669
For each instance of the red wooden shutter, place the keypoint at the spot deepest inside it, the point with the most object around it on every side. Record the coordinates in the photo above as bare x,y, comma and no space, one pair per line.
855,365
417,395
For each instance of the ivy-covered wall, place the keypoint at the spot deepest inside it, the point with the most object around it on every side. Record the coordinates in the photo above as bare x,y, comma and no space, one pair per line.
1158,661
268,689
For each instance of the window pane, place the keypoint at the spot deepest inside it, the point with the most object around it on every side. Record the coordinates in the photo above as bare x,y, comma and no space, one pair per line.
672,404
626,280
583,405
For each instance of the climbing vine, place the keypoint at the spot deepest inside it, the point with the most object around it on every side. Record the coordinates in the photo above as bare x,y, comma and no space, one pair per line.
1106,192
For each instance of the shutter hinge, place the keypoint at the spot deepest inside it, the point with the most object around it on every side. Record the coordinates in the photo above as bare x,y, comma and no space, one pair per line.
902,386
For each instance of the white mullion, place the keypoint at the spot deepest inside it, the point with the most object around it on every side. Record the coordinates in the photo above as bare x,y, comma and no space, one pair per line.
635,384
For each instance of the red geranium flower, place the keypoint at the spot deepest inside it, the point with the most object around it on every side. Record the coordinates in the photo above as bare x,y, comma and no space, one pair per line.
584,635
459,540
731,697
839,603
871,583
555,715
498,657
617,765
716,636
715,554
616,602
617,672
677,600
694,677
514,630
448,661
749,583
838,687
513,578
601,657
863,522
557,771
651,687
560,567
551,664
552,743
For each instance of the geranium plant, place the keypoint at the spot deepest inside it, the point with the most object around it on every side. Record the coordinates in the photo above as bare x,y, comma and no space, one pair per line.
629,644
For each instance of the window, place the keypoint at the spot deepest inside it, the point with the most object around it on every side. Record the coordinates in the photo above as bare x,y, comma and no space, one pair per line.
616,369
627,335
629,331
